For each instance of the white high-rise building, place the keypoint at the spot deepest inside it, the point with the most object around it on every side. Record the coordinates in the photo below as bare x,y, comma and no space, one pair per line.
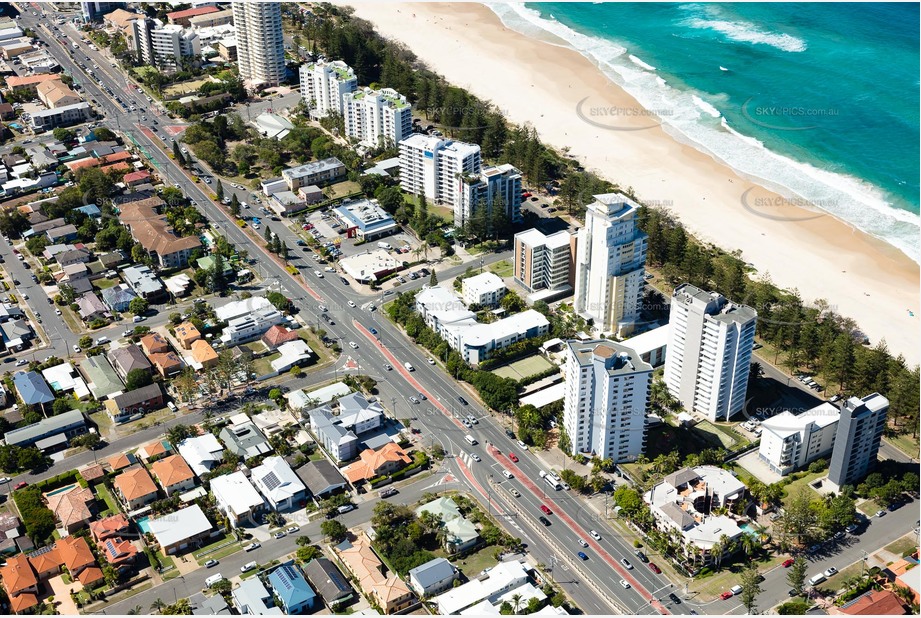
610,264
544,262
604,407
260,46
324,84
860,429
377,117
710,345
498,183
790,441
434,167
164,45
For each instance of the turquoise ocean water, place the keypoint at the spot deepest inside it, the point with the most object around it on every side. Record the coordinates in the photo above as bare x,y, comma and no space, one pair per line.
817,101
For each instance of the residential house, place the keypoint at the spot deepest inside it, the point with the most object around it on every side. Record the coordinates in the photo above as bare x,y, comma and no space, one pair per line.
461,534
119,297
388,591
16,334
386,460
129,358
139,401
120,553
64,378
501,579
177,531
120,461
248,327
278,335
291,589
49,434
109,527
75,554
155,234
64,233
321,478
91,308
157,449
251,598
101,378
244,440
167,364
279,484
433,577
186,334
73,256
203,453
293,354
21,583
215,605
203,354
236,497
72,508
45,562
135,488
875,603
333,586
31,388
145,283
9,531
338,441
358,414
133,179
173,474
154,343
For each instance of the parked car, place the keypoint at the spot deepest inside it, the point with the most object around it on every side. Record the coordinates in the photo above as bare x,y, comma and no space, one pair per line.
252,546
788,563
726,595
387,492
210,563
654,568
280,535
249,566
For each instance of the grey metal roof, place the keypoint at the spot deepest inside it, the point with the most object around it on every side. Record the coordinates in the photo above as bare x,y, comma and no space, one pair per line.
138,395
432,572
320,477
681,477
32,388
332,585
678,515
102,378
45,427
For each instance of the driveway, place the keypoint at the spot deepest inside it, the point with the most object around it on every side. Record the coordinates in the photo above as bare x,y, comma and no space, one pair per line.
61,592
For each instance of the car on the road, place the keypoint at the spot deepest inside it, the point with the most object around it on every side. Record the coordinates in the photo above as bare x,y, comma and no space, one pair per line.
475,457
641,556
249,566
293,529
881,513
57,312
508,474
513,457
389,491
388,367
851,529
430,360
830,571
21,362
655,568
546,510
77,349
473,419
318,274
522,445
623,583
787,563
582,542
210,563
726,595
595,535
422,397
674,598
510,433
514,492
582,555
544,520
466,423
252,546
323,308
353,345
351,304
345,508
279,535
462,401
5,479
373,331
20,485
626,563
128,332
413,400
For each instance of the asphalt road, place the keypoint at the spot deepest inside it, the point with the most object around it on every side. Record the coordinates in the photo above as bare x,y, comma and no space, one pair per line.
571,520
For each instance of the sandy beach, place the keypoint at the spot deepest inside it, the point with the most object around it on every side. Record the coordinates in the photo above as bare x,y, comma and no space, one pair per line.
574,106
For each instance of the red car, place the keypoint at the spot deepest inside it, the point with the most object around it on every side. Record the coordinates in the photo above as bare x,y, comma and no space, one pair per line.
726,595
788,563
546,510
654,568
513,457
20,485
525,195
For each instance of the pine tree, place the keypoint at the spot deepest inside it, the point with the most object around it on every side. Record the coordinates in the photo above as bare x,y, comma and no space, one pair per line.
433,279
284,251
218,281
268,238
177,154
235,207
219,191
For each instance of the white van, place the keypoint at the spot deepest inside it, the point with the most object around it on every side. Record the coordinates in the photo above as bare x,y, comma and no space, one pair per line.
470,440
384,245
217,577
542,474
736,590
552,482
409,367
172,406
816,579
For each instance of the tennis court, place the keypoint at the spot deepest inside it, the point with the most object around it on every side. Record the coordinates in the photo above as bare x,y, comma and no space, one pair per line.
524,367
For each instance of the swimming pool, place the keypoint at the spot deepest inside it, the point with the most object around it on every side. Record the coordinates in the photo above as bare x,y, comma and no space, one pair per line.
144,525
748,529
61,490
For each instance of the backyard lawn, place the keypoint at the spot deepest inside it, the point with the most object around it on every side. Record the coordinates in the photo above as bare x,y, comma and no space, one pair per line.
103,493
794,487
474,564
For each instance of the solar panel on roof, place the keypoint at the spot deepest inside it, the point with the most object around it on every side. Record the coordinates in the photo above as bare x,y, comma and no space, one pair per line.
271,481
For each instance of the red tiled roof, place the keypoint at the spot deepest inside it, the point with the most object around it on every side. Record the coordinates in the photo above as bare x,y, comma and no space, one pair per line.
134,484
18,575
23,602
108,527
202,10
278,335
172,470
75,553
877,602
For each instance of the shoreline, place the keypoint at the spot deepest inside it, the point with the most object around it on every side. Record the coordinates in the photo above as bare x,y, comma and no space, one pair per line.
860,276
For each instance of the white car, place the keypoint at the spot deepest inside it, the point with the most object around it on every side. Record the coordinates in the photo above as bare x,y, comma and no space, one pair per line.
508,474
21,362
522,445
353,345
431,361
57,312
583,543
595,535
475,457
351,304
77,349
624,583
318,274
249,566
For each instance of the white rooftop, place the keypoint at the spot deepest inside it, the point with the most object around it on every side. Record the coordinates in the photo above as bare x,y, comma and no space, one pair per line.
63,378
482,334
648,341
709,531
236,492
179,526
239,308
546,396
483,283
299,399
292,352
365,266
501,576
277,480
787,423
201,452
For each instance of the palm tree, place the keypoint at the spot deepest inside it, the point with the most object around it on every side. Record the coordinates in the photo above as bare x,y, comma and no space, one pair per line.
134,611
516,602
157,605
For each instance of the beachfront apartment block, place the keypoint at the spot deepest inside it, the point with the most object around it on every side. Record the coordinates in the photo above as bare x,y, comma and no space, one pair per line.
377,118
790,441
260,44
485,289
604,406
860,430
497,186
709,352
544,263
324,85
479,341
164,45
434,166
610,265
